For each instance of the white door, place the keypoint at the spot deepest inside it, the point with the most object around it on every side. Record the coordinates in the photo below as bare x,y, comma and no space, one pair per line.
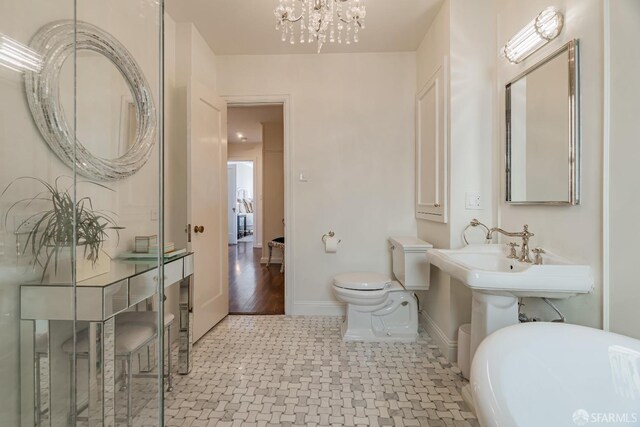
207,205
231,204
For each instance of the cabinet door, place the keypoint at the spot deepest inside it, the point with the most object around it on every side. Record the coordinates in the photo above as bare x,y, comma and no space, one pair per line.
431,148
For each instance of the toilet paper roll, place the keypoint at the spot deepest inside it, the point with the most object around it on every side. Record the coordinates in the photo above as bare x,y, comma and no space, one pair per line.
331,245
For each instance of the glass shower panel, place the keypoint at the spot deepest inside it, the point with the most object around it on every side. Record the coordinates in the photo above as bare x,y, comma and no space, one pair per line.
36,232
117,80
80,175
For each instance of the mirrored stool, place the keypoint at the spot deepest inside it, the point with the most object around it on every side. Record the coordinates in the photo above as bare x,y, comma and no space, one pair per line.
150,317
134,332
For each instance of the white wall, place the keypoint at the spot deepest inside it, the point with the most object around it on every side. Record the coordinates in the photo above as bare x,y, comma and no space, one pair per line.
573,232
244,179
463,31
352,133
194,58
433,48
624,208
436,303
272,188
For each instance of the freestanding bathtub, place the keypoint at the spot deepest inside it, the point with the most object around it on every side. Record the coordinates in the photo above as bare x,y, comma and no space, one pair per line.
555,374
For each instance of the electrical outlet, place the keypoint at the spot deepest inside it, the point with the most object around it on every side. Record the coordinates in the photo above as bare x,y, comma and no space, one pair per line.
473,201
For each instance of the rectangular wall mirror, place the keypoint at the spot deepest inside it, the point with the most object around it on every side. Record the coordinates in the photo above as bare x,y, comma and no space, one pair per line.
543,131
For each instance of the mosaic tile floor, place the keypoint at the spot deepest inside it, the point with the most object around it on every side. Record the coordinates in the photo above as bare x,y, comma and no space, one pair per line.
297,371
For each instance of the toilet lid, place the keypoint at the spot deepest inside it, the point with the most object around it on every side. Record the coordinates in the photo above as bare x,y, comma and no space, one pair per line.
362,281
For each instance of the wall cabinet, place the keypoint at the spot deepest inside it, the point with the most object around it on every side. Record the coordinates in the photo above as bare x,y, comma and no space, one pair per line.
431,147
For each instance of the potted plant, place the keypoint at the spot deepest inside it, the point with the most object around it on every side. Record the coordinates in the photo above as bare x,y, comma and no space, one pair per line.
51,234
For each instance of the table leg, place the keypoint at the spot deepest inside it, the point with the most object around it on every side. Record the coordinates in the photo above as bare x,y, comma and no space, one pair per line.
186,326
34,380
101,379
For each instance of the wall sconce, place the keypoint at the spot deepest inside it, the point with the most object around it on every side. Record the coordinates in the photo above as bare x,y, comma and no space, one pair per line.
18,57
537,33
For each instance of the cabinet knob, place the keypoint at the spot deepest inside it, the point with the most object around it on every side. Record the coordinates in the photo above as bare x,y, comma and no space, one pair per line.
198,229
436,205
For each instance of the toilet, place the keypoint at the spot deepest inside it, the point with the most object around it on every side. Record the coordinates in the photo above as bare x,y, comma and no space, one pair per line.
380,308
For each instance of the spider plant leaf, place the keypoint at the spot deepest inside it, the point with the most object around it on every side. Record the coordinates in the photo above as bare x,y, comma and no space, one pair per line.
96,184
27,200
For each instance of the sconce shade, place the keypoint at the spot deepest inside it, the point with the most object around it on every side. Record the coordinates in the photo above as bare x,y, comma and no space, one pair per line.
18,57
537,33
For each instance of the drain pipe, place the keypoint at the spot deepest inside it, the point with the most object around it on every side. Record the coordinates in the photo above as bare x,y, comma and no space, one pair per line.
523,318
552,305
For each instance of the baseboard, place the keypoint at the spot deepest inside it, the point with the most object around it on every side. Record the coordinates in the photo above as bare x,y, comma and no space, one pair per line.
257,246
274,260
317,308
448,347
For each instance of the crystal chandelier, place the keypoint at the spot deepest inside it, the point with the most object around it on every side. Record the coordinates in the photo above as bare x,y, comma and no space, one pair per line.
321,21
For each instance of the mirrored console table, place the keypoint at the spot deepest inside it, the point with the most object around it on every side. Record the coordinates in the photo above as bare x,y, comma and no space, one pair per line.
48,318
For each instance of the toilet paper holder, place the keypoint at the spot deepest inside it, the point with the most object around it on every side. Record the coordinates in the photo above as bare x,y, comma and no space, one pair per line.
329,234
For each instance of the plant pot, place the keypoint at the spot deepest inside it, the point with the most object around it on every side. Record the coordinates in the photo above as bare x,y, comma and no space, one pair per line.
85,269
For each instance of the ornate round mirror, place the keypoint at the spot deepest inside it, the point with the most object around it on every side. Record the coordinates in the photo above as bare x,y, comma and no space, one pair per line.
101,148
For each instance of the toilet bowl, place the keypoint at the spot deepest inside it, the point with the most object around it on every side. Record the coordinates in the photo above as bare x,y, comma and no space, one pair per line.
379,308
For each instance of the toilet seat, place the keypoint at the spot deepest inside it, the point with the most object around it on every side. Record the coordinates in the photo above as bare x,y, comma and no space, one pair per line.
362,281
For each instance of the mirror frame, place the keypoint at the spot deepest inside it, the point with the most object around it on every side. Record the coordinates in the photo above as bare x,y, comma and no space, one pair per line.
573,63
56,42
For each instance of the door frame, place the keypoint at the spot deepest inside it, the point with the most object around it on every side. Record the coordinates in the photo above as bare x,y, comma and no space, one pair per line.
289,217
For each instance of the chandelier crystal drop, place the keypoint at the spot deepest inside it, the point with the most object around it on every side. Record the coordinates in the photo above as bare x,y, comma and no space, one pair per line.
320,21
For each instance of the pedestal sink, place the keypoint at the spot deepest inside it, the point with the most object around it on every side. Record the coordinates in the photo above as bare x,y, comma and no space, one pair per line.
497,282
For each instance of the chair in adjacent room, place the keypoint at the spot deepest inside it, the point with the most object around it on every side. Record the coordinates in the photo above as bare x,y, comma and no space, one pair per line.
278,242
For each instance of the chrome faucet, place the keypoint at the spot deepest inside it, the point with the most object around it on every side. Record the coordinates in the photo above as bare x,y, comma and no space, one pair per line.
525,234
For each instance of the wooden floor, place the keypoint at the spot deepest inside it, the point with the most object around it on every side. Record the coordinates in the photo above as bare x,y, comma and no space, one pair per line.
253,288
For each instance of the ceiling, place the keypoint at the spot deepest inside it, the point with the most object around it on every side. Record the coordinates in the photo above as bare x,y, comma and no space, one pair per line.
246,122
247,27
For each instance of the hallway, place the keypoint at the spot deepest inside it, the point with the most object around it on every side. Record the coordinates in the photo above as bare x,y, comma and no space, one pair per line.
253,288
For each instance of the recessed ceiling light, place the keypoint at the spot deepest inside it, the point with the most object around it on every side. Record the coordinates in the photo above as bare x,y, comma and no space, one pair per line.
240,135
244,139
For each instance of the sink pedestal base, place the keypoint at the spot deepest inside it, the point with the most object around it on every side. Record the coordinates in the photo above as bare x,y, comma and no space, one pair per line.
490,313
467,397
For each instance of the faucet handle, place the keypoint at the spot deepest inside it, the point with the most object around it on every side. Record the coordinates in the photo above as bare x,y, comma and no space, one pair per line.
512,250
538,253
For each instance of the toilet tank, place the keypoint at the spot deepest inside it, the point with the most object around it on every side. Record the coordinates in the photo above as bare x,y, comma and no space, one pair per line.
410,266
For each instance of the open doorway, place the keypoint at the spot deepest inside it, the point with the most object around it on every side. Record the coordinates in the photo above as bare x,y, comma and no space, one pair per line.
242,215
256,209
